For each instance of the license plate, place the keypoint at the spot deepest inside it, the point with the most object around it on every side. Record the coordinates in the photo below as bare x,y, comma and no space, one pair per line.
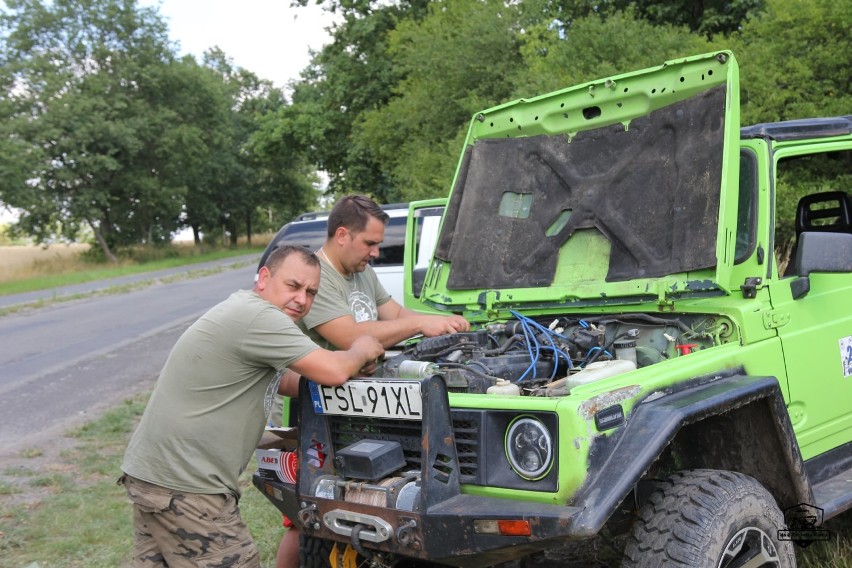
373,398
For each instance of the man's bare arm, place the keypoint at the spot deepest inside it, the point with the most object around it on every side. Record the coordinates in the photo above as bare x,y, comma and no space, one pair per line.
395,324
335,367
289,385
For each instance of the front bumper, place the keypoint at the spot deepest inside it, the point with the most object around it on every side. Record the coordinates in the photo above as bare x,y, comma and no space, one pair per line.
423,516
444,533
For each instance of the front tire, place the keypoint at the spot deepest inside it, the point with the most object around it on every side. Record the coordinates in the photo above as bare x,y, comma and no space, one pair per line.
314,552
708,519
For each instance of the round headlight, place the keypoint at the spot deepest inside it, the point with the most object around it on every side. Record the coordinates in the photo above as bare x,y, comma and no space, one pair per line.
529,447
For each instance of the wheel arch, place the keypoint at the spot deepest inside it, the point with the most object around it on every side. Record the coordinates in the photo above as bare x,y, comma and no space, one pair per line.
750,439
735,422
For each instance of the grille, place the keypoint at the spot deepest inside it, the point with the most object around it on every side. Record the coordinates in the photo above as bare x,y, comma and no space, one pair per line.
346,430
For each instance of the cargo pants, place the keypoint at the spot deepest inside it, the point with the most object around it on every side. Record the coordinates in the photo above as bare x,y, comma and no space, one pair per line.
192,530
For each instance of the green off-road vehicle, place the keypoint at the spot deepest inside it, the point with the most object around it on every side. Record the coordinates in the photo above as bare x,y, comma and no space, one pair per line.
640,366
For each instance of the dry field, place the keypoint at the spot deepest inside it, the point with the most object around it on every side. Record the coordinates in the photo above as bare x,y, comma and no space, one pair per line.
28,261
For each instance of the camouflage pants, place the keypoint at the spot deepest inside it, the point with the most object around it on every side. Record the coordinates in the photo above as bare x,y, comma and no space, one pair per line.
177,529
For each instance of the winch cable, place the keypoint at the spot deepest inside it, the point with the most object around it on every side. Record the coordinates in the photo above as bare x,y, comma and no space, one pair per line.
356,540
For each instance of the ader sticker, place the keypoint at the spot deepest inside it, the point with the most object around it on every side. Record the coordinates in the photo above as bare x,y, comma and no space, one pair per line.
846,355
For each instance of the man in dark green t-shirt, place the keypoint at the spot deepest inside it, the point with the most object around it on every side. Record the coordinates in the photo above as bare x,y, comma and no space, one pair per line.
209,408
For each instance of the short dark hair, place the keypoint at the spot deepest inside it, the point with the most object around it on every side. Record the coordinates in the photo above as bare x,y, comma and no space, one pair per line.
353,212
277,257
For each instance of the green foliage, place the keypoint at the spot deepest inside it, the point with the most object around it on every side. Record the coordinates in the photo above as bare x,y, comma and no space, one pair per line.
594,46
704,17
416,136
105,130
352,75
795,60
79,111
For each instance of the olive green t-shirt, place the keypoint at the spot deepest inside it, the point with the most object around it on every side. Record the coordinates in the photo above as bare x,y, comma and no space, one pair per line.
358,296
211,401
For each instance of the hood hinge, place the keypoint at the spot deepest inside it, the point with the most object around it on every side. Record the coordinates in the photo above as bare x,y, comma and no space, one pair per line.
664,302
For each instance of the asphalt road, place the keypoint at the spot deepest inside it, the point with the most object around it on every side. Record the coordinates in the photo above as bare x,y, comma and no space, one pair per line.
63,363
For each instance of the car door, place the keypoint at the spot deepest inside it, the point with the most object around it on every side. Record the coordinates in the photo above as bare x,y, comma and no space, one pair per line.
816,329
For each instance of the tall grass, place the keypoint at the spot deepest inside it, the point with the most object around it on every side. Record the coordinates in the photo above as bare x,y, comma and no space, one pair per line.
24,262
29,268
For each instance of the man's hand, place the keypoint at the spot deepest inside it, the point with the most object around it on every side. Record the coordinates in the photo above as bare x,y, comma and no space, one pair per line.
432,326
336,367
369,347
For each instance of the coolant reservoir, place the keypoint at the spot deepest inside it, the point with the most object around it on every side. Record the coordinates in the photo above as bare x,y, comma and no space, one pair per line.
591,373
504,387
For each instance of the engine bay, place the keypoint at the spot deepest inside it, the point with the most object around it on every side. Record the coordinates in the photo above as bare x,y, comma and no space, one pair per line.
548,356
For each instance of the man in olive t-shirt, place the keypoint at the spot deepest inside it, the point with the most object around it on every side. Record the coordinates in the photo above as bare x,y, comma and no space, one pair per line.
351,301
209,408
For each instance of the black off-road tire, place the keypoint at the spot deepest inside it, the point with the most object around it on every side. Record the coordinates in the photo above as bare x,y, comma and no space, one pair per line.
314,552
708,519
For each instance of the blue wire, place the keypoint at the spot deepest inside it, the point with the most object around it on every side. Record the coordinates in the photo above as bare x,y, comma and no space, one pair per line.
527,326
550,336
529,343
592,350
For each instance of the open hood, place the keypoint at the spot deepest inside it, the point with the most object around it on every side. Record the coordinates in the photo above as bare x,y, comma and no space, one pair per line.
613,191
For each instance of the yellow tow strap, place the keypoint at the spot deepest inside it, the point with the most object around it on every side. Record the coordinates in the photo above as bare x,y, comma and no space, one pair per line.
349,558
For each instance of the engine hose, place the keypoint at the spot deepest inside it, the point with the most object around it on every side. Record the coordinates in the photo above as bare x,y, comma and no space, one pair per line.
505,347
630,317
469,367
356,540
606,347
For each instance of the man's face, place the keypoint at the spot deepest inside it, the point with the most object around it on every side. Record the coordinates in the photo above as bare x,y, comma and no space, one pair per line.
360,248
292,288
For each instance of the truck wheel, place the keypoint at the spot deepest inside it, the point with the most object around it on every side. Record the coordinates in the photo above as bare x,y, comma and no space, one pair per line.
314,552
708,519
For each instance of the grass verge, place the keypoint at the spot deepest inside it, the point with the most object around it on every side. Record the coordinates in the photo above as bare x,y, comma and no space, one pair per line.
80,274
82,518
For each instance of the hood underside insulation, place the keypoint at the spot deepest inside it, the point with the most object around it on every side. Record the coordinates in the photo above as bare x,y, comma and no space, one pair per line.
652,191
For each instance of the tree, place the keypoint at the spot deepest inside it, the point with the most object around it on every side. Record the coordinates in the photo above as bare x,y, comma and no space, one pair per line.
557,57
77,97
472,57
707,18
795,61
260,171
346,78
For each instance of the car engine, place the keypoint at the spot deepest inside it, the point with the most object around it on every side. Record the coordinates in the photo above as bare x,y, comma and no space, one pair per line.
533,357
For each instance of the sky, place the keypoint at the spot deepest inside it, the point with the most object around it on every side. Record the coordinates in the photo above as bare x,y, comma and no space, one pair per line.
268,37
